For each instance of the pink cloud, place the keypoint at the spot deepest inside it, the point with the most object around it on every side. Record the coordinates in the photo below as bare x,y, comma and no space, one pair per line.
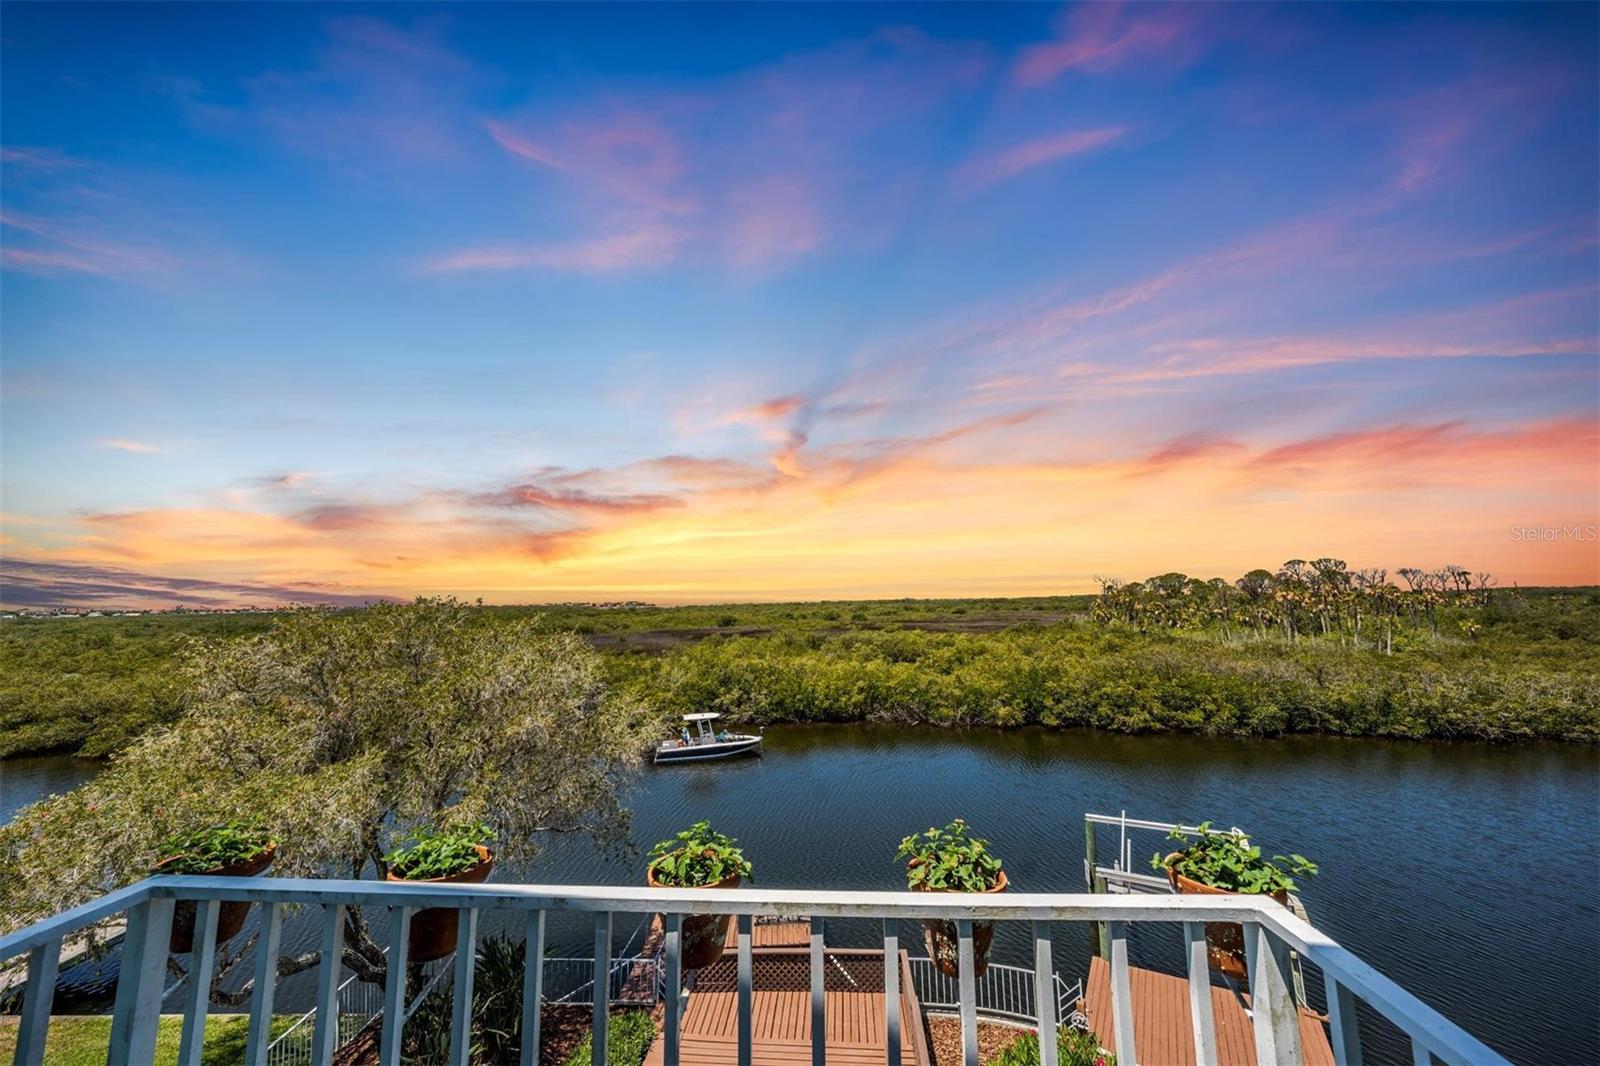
74,247
1096,37
641,249
124,445
1009,162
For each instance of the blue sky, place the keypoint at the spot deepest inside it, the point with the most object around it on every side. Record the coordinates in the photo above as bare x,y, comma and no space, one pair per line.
722,302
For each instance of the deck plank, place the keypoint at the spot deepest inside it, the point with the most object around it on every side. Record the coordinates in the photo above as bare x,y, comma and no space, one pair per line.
1161,1020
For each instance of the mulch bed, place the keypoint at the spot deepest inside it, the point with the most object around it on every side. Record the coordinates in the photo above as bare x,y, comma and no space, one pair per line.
944,1040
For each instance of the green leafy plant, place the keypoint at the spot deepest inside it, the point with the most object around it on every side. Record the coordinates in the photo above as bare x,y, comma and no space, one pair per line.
629,1035
433,852
1074,1047
1226,860
697,857
214,847
949,860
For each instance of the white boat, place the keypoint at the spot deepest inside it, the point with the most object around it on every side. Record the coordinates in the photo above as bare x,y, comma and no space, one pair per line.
705,742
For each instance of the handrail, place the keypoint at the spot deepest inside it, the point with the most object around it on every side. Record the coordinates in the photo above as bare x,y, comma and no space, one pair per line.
1271,931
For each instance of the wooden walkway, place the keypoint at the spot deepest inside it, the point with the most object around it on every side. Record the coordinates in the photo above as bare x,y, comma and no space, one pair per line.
1162,1028
780,1006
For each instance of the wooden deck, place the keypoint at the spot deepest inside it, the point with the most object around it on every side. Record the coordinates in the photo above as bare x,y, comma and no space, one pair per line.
1161,1025
780,1006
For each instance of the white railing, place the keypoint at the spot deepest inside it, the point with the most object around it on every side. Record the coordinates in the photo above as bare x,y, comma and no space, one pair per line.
359,1003
1271,932
1007,992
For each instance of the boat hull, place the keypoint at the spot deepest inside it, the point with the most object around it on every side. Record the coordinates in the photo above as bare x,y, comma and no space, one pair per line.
722,749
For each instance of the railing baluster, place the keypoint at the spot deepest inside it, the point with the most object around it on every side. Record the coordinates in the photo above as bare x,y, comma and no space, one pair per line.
819,1002
141,973
268,936
1201,1016
1274,1016
1122,996
746,987
602,986
394,986
202,963
672,1025
532,987
1342,1025
466,965
1044,1000
968,992
891,991
325,1033
1420,1055
44,966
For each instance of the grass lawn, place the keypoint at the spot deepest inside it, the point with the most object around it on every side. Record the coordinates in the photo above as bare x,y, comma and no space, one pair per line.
80,1040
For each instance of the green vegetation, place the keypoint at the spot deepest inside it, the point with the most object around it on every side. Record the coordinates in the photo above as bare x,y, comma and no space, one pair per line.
1225,860
213,847
949,860
1311,647
337,730
629,1036
496,1010
1074,1047
81,1040
431,852
697,857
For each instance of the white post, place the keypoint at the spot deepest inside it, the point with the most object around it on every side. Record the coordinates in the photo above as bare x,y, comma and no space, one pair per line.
44,966
602,987
141,975
891,991
1201,1016
1122,996
1276,1019
968,984
819,1006
1342,1025
325,1033
532,987
268,936
466,965
746,987
394,987
202,964
1044,999
672,1025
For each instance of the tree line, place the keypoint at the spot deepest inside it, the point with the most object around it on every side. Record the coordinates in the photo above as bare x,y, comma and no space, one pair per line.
1323,597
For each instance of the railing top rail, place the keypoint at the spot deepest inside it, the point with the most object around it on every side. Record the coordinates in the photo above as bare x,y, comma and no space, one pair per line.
1422,1022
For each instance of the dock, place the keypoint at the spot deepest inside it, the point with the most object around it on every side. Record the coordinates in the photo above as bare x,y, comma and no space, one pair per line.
1162,1028
780,1006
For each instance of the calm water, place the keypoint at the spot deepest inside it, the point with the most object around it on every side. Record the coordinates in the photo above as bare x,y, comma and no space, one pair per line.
1467,873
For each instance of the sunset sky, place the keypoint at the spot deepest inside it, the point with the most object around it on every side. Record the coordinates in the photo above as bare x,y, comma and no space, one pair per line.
691,304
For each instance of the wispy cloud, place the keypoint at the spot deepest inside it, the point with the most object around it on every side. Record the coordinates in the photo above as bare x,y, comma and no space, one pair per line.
1098,37
122,444
1051,148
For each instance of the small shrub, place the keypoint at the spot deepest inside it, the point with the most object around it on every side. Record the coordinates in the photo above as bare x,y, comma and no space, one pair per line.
696,857
629,1036
214,847
1225,861
432,852
949,860
1074,1047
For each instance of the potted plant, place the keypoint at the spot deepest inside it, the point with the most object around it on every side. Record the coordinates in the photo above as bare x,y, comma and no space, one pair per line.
699,857
232,849
952,860
457,854
1218,863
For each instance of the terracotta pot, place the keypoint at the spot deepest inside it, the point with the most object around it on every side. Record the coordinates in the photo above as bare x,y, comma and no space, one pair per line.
433,929
703,934
230,917
1224,940
944,942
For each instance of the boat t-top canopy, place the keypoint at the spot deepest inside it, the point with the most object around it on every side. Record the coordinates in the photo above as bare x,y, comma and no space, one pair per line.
703,716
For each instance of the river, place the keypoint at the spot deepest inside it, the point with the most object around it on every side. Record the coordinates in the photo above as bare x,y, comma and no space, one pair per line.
1465,872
